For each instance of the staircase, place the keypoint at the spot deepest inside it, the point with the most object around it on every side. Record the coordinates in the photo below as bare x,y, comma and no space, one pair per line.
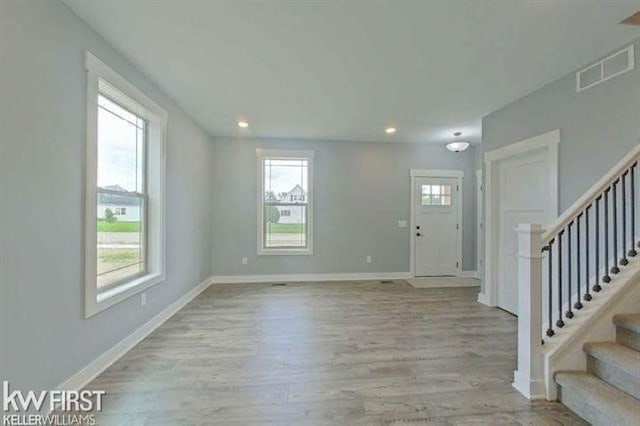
575,277
608,393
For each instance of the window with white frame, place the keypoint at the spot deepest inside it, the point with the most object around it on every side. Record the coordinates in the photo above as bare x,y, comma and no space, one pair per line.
121,246
285,194
436,195
124,251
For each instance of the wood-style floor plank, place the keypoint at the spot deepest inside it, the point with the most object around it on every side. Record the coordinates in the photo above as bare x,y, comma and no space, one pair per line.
362,353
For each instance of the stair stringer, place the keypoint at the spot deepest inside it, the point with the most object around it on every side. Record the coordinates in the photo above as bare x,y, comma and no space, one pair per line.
593,323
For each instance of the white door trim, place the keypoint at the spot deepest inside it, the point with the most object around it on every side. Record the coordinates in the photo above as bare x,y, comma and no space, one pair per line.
479,223
435,173
549,141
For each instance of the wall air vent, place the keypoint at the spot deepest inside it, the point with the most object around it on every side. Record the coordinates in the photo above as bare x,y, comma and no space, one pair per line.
611,66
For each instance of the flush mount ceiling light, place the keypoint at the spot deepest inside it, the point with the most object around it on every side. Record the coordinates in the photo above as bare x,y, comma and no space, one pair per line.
457,145
243,124
390,130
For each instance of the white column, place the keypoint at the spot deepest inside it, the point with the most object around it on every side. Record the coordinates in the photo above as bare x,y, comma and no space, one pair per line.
528,378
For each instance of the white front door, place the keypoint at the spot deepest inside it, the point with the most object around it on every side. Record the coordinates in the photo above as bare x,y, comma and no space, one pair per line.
524,191
436,226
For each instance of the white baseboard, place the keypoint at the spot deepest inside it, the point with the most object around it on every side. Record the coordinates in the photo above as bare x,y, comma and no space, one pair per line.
482,298
531,389
80,379
269,278
469,274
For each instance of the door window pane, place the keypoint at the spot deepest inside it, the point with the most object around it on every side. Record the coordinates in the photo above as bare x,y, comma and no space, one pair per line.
436,195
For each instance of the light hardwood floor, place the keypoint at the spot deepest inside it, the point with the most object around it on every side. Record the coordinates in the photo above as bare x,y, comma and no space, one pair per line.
336,353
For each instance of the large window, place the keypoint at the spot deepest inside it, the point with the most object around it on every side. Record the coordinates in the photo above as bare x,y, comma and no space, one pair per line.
124,252
121,243
285,194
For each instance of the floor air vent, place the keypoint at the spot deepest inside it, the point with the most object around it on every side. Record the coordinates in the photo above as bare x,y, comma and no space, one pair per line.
386,282
278,284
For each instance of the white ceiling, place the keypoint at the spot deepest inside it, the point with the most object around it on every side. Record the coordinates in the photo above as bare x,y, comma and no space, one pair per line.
345,70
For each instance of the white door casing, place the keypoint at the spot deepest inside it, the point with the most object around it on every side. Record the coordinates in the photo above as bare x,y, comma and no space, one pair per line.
480,225
521,186
436,228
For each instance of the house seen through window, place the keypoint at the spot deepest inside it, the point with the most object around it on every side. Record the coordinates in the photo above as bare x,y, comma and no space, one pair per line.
285,216
121,193
124,189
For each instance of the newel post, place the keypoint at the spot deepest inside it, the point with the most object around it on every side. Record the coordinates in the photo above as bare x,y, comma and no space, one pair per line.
528,378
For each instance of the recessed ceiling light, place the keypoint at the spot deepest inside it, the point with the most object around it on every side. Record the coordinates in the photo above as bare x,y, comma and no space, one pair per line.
390,130
243,124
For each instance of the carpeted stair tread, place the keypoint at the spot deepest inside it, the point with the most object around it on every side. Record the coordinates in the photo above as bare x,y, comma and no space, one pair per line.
597,401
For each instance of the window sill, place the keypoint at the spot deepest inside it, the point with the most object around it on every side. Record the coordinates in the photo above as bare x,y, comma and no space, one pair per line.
115,295
285,252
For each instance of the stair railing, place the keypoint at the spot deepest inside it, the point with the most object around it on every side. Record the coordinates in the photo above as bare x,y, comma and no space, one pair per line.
565,266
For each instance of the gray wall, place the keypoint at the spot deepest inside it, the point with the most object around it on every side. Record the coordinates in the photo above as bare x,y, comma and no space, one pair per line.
44,338
598,126
361,190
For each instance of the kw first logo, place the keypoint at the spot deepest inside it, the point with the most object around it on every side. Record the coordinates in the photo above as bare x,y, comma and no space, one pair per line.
19,403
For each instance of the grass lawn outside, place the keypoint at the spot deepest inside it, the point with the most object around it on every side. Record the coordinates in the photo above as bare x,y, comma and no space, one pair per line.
125,256
117,263
104,226
285,228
